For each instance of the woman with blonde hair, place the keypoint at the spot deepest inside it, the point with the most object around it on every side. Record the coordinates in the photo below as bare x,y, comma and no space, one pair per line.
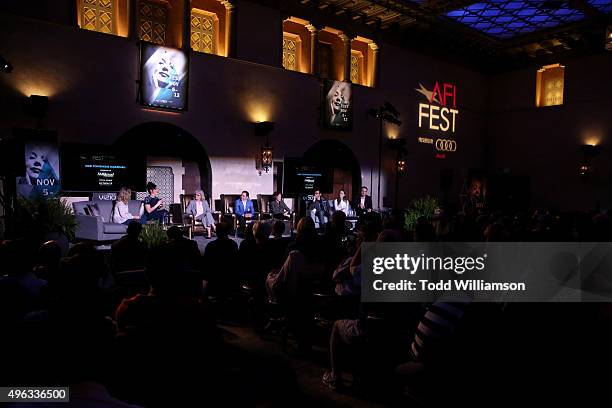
199,209
121,212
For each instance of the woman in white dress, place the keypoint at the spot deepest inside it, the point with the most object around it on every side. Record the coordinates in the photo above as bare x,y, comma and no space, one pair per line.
200,210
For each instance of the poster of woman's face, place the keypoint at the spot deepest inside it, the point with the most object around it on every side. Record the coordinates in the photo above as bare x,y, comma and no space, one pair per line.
337,105
163,79
41,170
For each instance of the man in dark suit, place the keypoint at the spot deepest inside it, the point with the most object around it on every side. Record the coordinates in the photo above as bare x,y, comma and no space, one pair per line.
278,208
363,203
319,205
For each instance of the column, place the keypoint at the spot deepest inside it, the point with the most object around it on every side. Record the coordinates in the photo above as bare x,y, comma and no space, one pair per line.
314,49
230,38
373,79
186,40
346,40
133,20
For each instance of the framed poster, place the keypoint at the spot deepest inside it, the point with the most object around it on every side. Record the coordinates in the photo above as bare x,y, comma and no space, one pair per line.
337,109
164,76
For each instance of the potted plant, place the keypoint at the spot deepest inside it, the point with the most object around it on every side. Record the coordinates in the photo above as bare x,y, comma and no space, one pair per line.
153,235
43,219
420,207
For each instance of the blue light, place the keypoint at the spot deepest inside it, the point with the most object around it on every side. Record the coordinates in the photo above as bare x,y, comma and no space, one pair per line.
512,18
605,6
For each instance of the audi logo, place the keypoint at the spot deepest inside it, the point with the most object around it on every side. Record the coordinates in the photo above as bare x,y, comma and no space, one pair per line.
446,145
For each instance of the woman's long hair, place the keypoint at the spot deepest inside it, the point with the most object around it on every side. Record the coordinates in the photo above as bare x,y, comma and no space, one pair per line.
124,195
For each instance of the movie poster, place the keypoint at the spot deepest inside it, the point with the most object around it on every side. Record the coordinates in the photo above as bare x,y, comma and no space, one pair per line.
163,77
41,179
337,105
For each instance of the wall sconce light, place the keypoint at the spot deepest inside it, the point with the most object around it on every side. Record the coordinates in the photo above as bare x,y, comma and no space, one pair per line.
609,38
36,107
267,152
588,152
401,166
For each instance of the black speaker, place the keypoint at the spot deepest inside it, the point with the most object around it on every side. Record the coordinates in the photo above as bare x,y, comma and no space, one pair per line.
446,179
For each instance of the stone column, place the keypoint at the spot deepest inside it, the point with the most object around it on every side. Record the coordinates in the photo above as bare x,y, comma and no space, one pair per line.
373,75
314,49
230,23
346,40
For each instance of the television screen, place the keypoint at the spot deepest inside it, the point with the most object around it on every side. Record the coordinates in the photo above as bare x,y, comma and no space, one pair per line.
302,179
337,105
163,77
88,168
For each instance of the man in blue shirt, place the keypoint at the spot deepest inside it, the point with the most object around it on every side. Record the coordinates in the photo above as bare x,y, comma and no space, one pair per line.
244,210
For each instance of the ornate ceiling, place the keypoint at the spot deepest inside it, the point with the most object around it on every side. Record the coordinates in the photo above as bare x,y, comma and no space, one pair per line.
493,33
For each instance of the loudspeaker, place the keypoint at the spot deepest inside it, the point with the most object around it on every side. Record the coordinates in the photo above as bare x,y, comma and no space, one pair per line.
446,179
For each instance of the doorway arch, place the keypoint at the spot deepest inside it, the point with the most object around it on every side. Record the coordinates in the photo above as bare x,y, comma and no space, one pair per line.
330,153
167,140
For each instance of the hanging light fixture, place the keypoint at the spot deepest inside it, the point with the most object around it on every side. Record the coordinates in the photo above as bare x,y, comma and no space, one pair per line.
401,166
266,156
267,152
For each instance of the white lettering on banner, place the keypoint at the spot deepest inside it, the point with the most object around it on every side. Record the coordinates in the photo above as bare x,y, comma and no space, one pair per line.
439,118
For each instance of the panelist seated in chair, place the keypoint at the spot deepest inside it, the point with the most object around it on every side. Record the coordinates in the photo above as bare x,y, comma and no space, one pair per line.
319,207
153,206
341,203
121,212
244,209
363,203
278,208
199,209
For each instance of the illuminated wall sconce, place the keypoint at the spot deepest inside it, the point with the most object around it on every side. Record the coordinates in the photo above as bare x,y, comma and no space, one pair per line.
36,107
588,152
267,152
401,166
609,38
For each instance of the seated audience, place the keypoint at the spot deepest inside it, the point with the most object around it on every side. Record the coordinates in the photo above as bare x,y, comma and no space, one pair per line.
199,209
129,253
184,251
121,212
220,263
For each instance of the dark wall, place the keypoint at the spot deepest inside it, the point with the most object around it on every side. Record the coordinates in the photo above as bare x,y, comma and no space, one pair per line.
90,79
544,143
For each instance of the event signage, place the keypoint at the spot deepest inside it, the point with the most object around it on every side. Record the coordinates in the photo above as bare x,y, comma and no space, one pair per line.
437,115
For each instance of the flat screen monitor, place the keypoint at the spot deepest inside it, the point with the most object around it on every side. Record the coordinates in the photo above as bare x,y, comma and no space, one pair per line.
302,178
87,168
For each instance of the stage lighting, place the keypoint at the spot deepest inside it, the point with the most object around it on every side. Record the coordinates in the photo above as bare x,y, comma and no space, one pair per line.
5,65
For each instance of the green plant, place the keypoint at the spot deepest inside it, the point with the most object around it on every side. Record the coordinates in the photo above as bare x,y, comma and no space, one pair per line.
40,216
153,235
420,207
